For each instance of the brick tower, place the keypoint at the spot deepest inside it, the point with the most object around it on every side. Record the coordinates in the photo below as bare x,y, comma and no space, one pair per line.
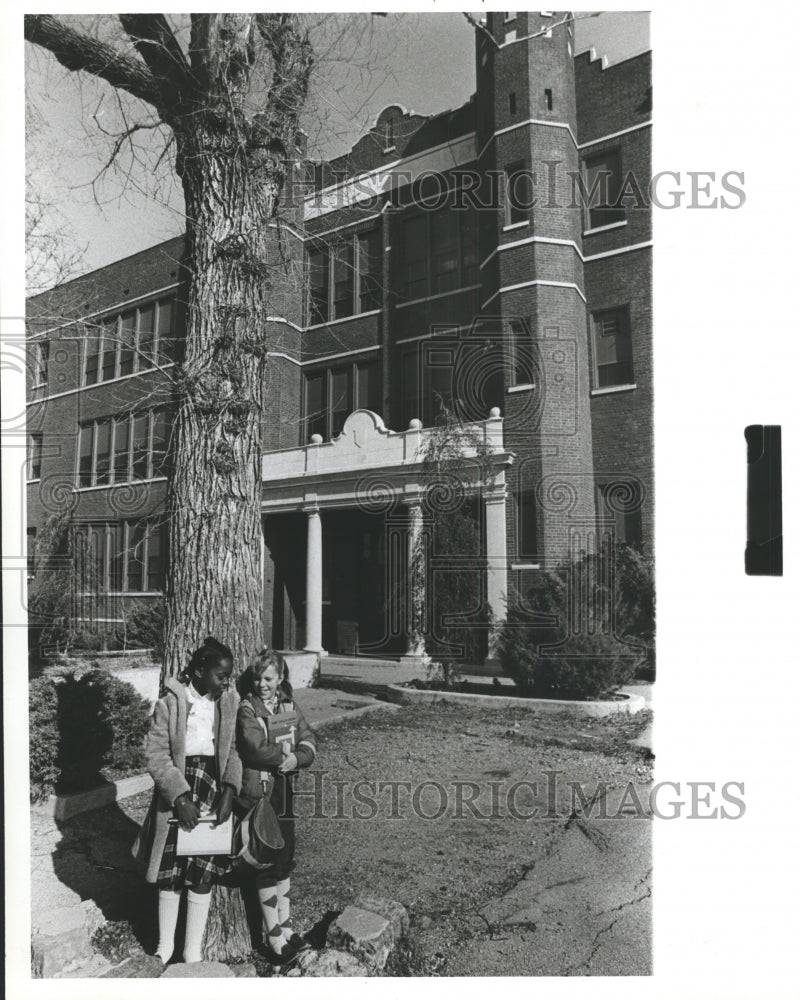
532,274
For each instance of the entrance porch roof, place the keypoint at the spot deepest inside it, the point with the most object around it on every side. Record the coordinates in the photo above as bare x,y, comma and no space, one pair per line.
365,466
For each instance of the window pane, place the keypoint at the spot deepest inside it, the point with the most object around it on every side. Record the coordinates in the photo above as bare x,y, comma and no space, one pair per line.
147,315
318,286
469,247
34,456
409,387
166,331
521,353
30,550
341,400
98,562
612,349
93,348
527,524
315,405
160,442
437,374
369,387
519,194
116,557
127,335
140,447
370,270
414,254
444,241
121,450
136,535
109,364
343,282
103,449
605,172
155,558
41,358
85,455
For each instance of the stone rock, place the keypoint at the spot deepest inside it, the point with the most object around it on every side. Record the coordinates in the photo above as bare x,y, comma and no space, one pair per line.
62,938
198,970
138,967
330,963
369,929
246,970
394,912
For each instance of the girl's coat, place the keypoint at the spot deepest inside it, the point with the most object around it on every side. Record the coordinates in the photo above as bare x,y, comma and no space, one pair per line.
257,754
165,753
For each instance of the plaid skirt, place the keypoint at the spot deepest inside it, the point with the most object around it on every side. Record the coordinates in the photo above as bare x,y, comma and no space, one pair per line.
176,872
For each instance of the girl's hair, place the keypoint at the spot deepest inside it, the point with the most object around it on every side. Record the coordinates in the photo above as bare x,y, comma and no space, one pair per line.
210,654
264,658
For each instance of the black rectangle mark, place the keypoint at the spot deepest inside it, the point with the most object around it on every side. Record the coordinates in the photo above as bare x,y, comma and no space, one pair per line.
764,553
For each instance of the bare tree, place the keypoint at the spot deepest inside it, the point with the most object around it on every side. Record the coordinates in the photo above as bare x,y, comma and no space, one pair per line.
231,94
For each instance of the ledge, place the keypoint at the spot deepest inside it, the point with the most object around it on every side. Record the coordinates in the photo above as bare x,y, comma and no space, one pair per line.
610,389
628,703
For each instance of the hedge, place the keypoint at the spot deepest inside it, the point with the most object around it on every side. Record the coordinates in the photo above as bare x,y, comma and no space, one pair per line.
81,725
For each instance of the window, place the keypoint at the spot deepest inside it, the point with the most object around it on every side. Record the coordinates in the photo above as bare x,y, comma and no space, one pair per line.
611,348
41,357
512,103
509,15
438,252
34,470
123,556
603,179
520,349
345,279
527,527
133,341
123,449
30,551
548,99
332,394
519,195
619,508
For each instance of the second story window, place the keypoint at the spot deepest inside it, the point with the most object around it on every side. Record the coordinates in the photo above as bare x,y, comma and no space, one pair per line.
345,279
438,252
603,180
611,348
34,463
123,449
133,341
331,394
122,556
519,193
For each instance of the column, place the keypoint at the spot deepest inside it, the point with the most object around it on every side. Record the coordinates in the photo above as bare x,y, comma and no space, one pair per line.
496,559
314,583
415,615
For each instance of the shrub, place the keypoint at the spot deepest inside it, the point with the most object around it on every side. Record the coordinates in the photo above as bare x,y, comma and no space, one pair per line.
145,626
85,723
44,739
584,629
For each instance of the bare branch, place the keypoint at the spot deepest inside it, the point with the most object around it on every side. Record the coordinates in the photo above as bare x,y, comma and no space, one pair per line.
76,52
157,45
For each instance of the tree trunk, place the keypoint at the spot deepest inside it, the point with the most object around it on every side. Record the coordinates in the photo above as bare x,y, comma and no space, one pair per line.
215,578
228,932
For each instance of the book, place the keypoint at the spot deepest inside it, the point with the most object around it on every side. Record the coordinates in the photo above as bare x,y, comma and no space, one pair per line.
282,728
205,838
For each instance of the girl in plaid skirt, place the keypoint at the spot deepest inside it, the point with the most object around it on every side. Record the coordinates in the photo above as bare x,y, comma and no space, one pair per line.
191,755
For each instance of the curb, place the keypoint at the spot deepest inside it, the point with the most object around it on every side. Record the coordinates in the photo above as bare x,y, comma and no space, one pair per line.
597,709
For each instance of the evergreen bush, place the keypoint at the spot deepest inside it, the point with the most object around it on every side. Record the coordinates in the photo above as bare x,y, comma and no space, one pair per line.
80,725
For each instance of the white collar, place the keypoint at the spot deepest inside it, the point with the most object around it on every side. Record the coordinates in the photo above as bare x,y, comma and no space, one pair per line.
194,695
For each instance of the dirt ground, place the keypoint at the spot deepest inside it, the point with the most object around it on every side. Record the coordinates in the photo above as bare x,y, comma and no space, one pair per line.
452,857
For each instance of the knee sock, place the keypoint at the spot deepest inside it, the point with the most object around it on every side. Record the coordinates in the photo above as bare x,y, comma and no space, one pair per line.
283,889
168,904
196,917
268,898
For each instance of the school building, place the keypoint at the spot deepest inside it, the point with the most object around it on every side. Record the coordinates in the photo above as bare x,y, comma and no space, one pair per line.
494,259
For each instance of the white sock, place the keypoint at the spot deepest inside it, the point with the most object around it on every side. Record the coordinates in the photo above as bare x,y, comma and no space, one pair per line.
268,898
284,906
197,904
168,905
